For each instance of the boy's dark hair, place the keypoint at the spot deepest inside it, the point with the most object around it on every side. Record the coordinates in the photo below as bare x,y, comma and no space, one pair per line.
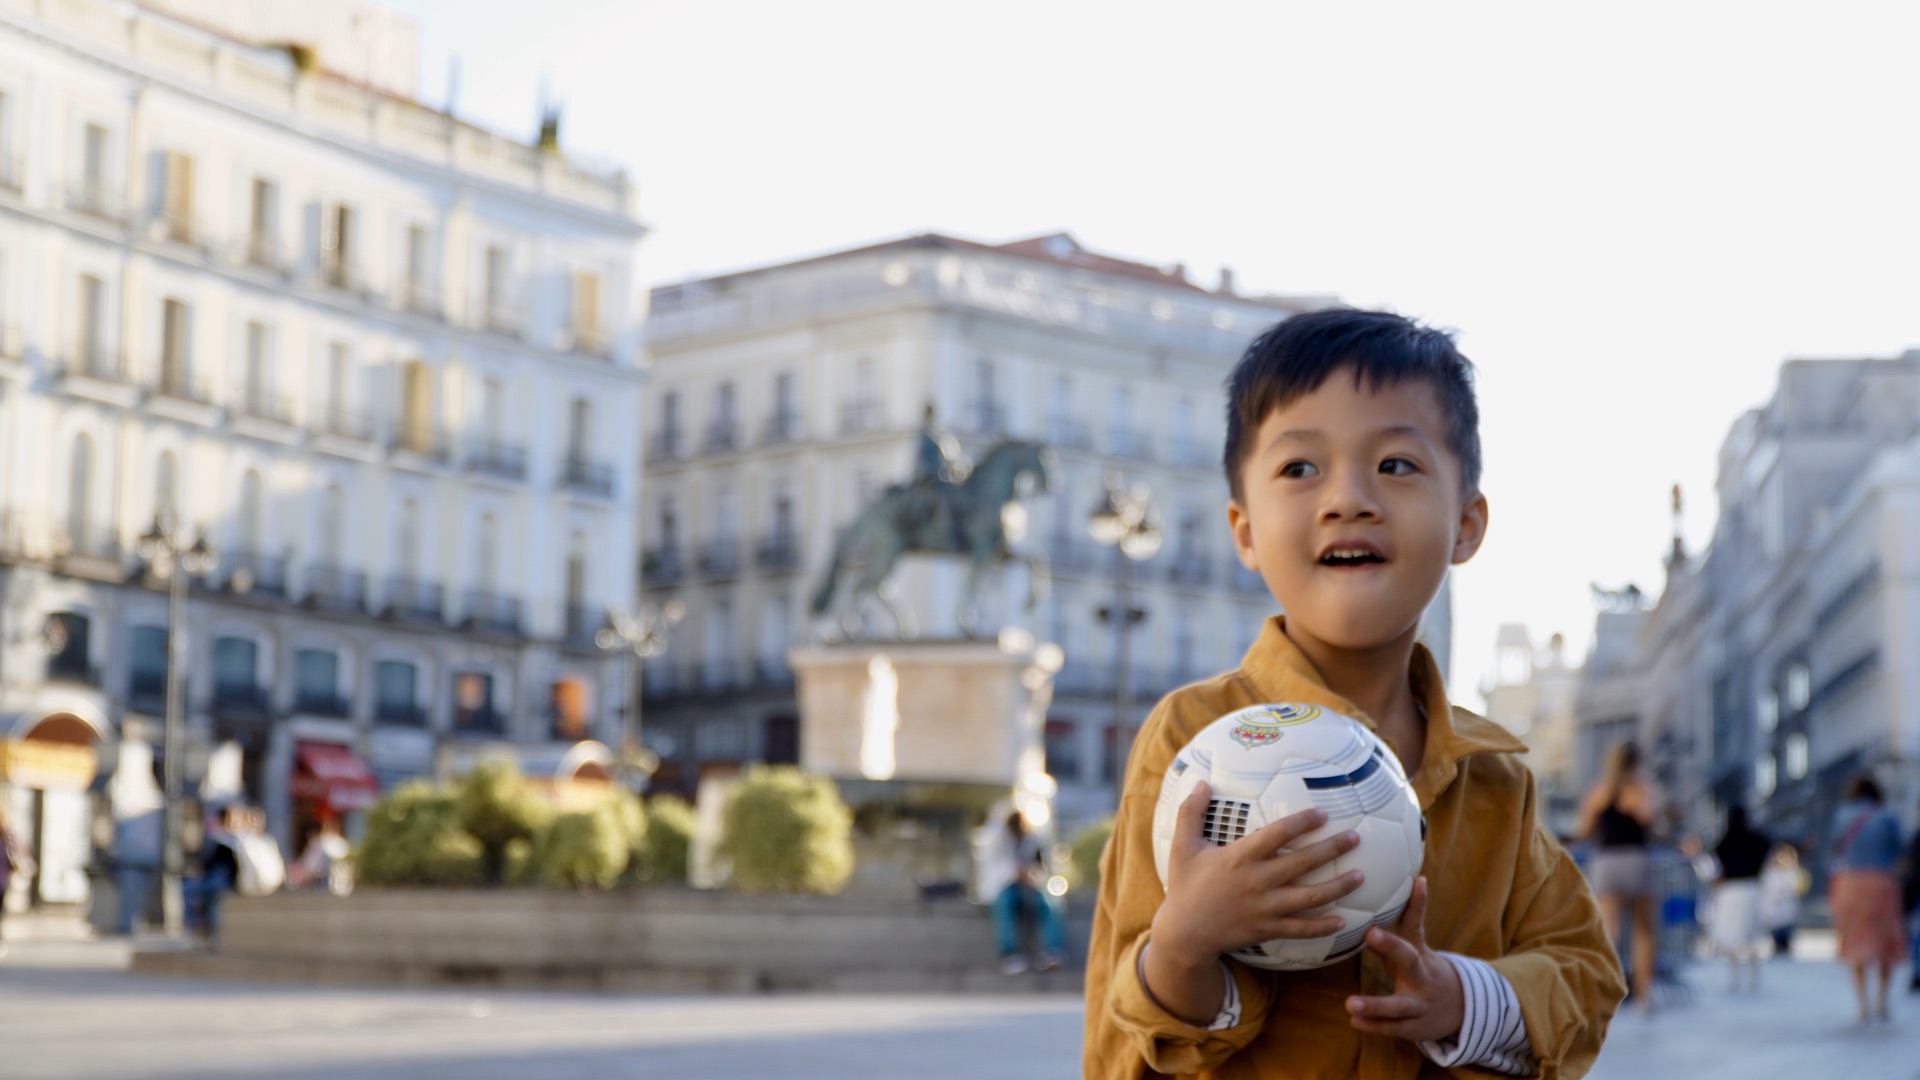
1292,358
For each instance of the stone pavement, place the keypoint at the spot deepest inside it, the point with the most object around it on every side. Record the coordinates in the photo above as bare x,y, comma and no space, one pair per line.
70,1010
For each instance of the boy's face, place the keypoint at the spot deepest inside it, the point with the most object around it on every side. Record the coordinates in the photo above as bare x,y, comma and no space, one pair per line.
1352,510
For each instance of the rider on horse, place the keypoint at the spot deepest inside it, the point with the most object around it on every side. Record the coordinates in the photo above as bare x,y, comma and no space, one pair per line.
939,466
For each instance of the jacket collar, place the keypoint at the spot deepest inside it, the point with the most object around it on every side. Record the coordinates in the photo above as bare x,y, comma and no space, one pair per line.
1279,671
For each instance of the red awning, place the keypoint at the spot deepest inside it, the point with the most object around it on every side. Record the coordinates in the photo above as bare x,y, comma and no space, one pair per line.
333,775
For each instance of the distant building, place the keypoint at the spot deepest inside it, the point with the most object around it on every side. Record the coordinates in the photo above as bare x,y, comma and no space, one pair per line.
785,398
1786,658
1532,695
385,360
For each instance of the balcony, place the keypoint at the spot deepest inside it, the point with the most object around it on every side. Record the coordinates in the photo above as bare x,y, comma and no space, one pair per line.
334,588
400,714
92,361
579,625
181,229
96,200
88,540
781,428
343,424
268,407
249,572
239,701
72,668
490,612
413,600
988,418
321,703
266,253
772,674
723,436
1190,570
588,342
719,559
420,440
500,317
422,298
339,273
779,552
857,417
174,383
484,720
667,445
663,567
1130,443
504,460
1069,434
585,474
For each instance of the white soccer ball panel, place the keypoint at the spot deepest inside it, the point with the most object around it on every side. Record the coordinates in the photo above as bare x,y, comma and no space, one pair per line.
1382,858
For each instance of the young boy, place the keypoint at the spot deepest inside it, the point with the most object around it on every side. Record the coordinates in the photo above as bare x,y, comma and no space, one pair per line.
1353,458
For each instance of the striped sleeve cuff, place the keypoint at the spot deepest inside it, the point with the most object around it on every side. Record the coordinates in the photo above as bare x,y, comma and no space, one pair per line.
1492,1034
1229,1014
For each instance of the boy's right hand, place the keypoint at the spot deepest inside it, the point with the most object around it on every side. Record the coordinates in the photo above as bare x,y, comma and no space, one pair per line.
1221,898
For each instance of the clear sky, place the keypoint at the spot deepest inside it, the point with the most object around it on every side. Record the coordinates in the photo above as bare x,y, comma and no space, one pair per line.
1631,212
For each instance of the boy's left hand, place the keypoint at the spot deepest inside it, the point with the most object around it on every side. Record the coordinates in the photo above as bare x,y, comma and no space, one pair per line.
1427,1003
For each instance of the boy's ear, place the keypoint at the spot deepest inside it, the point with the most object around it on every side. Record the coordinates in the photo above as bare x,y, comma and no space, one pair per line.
1473,528
1241,526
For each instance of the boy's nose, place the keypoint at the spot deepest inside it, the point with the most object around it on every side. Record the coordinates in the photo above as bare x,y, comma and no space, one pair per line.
1349,497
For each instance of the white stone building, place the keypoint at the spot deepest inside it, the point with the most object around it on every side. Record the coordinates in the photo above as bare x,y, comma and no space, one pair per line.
1531,693
784,398
385,360
1785,658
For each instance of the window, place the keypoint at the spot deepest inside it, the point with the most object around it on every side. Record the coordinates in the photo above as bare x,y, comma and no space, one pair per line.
485,551
1062,749
333,524
783,512
577,581
339,375
719,643
1768,713
420,292
69,645
473,703
785,406
1764,775
91,341
725,515
1799,686
93,161
499,267
316,682
408,562
259,373
580,429
176,341
669,525
1796,753
235,667
251,525
586,312
166,485
178,197
263,243
567,709
670,422
147,664
866,383
393,690
416,407
723,410
337,250
775,630
493,408
986,414
80,493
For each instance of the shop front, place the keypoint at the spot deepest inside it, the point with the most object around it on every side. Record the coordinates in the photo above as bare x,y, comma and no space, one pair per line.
47,764
329,782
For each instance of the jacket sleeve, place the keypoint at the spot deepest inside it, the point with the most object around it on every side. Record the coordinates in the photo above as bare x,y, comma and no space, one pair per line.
1557,955
1128,1034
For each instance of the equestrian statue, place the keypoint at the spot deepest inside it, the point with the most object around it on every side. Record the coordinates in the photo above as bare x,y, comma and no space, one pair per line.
948,508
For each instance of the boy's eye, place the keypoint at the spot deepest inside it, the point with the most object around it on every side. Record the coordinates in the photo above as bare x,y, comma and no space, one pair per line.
1295,470
1397,466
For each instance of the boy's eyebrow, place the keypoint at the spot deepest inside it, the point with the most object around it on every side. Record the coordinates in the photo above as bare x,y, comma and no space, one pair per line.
1315,435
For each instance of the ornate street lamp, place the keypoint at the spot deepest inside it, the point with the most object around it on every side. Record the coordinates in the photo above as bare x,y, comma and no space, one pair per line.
1125,519
170,563
642,637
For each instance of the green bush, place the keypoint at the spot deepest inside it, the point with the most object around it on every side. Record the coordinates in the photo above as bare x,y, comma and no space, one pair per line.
1088,845
630,818
582,849
414,837
497,808
786,831
669,838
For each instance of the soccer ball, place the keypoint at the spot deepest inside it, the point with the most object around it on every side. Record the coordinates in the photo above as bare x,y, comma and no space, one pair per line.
1269,761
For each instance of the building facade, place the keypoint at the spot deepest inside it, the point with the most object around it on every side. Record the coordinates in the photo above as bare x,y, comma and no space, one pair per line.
1785,659
785,398
384,361
1531,694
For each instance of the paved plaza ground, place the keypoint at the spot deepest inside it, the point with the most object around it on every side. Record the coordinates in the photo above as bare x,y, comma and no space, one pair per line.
69,1010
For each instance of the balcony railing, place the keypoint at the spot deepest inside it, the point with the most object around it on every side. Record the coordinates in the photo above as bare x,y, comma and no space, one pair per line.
182,387
424,441
181,229
252,572
422,298
491,612
269,407
336,588
987,418
580,623
781,428
723,436
667,445
321,703
1069,434
859,416
88,541
584,474
1131,443
96,200
594,343
778,552
65,667
497,459
400,714
485,720
1190,570
415,600
92,361
266,253
339,273
239,701
499,317
663,567
772,674
719,558
343,424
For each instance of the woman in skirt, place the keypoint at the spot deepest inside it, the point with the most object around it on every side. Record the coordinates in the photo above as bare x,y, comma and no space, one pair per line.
1865,891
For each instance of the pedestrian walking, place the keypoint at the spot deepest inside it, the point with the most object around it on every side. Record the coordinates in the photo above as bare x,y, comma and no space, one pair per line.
1742,854
1865,891
1782,883
219,871
1618,816
15,861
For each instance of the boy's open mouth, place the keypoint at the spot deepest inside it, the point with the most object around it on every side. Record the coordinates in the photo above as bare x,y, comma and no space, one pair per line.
1349,555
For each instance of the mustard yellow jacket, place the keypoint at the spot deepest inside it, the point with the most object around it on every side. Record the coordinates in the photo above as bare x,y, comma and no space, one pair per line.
1501,889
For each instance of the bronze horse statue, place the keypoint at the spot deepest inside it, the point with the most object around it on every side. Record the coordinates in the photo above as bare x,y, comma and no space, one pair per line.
967,518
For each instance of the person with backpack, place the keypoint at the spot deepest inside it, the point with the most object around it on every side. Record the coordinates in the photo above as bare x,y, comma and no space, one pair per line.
1865,891
219,871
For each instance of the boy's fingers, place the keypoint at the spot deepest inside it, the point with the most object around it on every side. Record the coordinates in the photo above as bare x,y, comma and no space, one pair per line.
1288,866
1388,1007
1190,824
1295,928
1292,898
1399,954
1269,839
1413,921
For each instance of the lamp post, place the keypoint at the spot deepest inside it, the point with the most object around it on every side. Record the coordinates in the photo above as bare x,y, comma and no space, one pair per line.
642,637
175,565
1125,518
